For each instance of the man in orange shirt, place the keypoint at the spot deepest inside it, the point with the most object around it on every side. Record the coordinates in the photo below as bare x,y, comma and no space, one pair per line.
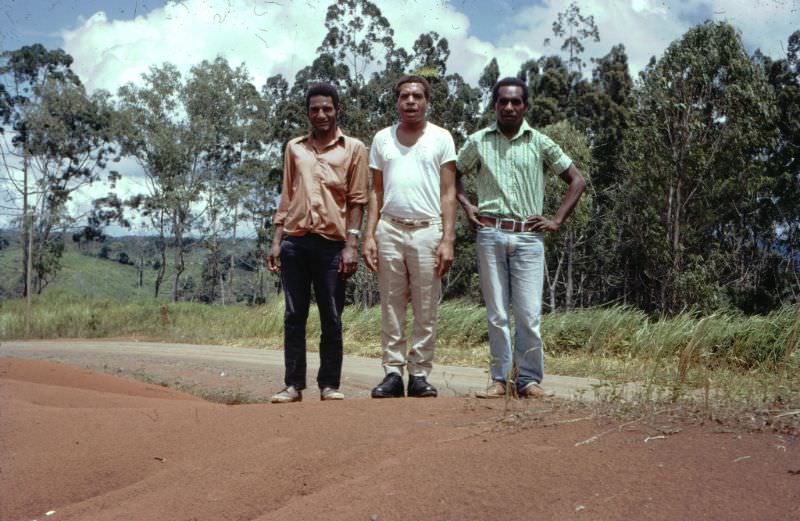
316,239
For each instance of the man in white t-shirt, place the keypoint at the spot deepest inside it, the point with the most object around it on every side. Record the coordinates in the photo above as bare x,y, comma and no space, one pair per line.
410,234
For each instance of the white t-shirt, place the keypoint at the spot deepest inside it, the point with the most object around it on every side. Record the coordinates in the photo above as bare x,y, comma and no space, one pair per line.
411,174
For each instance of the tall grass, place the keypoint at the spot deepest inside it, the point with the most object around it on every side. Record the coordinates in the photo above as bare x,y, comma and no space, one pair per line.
722,340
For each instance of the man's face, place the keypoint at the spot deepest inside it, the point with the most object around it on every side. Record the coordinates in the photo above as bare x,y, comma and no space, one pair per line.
510,108
411,103
322,113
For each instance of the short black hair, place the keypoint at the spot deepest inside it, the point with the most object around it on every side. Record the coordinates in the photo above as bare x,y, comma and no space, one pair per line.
323,89
426,87
510,82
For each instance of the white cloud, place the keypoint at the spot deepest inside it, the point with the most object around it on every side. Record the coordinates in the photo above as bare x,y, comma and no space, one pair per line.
641,25
269,37
647,27
764,24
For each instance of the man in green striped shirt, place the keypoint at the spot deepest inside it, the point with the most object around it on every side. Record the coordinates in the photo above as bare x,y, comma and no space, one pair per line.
508,160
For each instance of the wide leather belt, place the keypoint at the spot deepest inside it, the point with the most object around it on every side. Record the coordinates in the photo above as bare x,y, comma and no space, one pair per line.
506,225
410,223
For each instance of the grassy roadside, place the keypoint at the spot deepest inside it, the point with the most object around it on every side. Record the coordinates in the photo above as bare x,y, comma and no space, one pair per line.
717,363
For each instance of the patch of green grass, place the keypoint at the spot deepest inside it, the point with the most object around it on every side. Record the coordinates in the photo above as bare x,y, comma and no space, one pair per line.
86,275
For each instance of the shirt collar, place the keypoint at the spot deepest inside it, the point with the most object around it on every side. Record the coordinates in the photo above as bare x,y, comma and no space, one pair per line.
522,129
340,137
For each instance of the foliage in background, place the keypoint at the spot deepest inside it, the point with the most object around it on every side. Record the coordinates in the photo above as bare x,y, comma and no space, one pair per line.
54,139
694,169
694,201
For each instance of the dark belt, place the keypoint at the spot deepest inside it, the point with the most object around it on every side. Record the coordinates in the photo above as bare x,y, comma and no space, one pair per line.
506,225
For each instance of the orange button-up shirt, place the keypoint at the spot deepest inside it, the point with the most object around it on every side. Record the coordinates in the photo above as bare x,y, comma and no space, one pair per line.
318,185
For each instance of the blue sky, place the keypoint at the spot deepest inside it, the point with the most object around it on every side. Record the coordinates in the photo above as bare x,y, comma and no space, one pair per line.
42,20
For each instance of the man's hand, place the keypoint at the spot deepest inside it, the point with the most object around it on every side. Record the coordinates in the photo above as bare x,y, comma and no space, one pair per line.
348,262
444,257
472,216
543,224
370,253
274,258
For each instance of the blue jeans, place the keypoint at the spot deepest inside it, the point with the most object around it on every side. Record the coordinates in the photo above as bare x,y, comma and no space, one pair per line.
306,261
511,267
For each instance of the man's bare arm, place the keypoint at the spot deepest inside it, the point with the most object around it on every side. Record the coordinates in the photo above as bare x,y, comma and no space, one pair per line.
447,194
374,205
577,184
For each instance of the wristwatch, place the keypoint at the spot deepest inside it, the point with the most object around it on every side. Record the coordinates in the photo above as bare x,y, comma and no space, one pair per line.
354,231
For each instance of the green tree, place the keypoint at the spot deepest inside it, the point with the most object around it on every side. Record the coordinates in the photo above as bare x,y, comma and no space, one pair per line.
780,279
692,170
604,112
223,110
567,270
155,130
430,54
575,28
357,33
60,142
488,77
550,90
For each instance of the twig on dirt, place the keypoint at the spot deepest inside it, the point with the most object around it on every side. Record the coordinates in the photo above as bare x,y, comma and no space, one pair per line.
742,458
654,438
574,420
598,436
789,413
619,427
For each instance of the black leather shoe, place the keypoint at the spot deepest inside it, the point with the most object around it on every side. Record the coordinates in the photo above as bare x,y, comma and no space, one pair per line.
418,387
390,387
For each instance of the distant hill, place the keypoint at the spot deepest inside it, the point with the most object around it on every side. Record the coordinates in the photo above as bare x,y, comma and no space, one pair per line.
110,269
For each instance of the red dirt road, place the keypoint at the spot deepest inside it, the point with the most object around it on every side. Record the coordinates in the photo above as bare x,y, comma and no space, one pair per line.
94,447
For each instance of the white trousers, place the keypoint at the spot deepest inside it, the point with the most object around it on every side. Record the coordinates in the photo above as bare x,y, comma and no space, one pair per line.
406,271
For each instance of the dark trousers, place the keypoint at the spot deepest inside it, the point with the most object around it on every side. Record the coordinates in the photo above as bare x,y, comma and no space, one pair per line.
306,261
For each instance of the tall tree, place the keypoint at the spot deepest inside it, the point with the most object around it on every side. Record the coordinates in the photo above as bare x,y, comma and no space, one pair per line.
223,111
567,271
430,54
575,28
781,207
550,89
60,142
692,169
357,35
156,131
489,76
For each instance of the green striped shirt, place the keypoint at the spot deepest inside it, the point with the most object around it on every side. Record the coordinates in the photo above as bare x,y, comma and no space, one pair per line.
510,172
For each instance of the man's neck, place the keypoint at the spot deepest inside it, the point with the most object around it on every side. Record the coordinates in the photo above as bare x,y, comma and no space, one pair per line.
509,132
413,127
324,137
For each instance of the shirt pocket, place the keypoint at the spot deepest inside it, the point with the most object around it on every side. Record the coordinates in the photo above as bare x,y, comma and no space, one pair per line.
332,178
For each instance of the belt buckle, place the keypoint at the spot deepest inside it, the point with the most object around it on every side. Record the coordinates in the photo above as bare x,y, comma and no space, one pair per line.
407,221
499,224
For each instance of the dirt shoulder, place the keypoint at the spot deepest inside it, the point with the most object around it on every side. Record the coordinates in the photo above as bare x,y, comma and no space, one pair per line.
92,446
243,373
